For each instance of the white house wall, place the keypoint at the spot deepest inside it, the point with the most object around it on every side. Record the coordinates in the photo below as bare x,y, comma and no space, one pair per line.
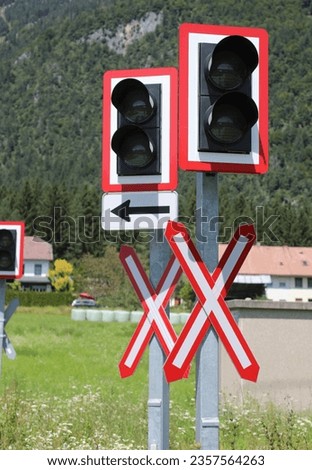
283,288
29,268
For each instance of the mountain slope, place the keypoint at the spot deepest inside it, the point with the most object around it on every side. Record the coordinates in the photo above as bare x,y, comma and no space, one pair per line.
53,54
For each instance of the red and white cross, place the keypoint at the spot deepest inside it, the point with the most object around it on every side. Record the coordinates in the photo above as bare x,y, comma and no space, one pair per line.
154,302
211,308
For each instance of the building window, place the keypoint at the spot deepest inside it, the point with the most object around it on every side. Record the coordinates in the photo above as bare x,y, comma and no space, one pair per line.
38,269
282,284
38,288
310,282
298,282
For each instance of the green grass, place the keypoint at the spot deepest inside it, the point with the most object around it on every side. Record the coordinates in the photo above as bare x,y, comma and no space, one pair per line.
63,391
62,365
55,354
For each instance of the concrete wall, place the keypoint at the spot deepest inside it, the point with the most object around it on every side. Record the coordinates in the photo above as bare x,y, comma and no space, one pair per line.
280,337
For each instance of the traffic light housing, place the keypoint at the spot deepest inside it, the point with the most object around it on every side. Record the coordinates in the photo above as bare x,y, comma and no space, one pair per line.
223,99
139,151
11,249
137,139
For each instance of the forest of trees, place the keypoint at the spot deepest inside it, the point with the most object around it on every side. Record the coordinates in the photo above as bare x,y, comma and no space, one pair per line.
51,115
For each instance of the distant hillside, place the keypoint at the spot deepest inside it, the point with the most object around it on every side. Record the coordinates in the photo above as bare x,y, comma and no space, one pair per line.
53,54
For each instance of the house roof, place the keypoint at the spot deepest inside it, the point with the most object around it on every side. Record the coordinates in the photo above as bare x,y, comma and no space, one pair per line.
37,249
276,260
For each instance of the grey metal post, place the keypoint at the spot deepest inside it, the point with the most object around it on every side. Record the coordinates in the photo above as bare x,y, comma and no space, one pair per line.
1,338
207,359
2,319
158,401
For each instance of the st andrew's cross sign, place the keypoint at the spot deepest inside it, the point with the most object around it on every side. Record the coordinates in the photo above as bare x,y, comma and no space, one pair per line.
210,309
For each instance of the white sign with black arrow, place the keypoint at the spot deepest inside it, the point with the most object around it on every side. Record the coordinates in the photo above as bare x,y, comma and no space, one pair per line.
144,210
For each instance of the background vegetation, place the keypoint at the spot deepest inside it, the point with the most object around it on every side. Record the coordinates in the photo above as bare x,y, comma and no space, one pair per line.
53,54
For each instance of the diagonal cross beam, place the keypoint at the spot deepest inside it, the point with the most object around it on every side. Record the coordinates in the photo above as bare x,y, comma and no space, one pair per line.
211,308
154,302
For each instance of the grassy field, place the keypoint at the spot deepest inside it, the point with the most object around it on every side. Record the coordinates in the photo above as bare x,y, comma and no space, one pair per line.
63,391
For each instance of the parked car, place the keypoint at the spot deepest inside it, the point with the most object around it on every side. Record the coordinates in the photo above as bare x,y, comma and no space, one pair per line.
84,303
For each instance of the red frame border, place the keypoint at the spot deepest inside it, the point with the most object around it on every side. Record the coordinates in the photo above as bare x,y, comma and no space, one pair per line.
9,224
184,162
107,186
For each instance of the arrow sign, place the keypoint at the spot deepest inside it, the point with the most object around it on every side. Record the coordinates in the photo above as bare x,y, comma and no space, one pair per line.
211,308
155,319
143,210
124,210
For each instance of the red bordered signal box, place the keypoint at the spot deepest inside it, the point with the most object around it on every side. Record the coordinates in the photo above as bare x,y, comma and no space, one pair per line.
207,139
124,167
11,249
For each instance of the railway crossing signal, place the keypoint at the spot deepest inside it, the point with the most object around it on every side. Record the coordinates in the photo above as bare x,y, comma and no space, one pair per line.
223,127
154,319
210,309
223,99
11,249
139,148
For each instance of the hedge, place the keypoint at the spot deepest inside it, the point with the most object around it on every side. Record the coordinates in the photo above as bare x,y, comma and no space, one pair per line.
40,299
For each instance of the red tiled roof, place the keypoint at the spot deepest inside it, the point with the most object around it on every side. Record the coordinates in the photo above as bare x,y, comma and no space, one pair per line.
36,248
276,260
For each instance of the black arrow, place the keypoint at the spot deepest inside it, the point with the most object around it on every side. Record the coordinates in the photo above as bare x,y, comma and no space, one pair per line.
124,210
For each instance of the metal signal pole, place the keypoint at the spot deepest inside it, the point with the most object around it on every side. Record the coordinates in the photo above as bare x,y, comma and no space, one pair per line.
158,401
207,359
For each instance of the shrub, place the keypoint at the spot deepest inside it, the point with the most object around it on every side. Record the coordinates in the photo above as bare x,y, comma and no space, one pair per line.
40,299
